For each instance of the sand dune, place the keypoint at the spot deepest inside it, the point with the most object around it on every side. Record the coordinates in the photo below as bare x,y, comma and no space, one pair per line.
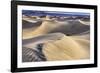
61,40
72,28
27,24
42,39
63,50
58,46
84,22
68,28
44,28
84,35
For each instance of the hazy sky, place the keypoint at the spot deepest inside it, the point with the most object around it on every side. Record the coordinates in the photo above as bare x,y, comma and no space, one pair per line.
53,13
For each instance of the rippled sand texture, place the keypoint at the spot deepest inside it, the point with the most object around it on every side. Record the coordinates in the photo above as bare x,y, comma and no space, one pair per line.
51,39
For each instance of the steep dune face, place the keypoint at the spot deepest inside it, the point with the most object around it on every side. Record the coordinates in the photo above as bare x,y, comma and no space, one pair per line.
63,50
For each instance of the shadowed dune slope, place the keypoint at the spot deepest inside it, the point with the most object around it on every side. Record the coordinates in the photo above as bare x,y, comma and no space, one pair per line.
72,28
27,24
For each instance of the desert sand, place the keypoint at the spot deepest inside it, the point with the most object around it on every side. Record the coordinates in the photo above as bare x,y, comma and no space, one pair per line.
62,40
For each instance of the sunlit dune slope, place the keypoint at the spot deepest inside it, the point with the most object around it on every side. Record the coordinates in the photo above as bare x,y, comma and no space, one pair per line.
65,49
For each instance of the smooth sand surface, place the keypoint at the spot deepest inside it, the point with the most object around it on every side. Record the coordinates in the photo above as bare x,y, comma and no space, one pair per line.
67,48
